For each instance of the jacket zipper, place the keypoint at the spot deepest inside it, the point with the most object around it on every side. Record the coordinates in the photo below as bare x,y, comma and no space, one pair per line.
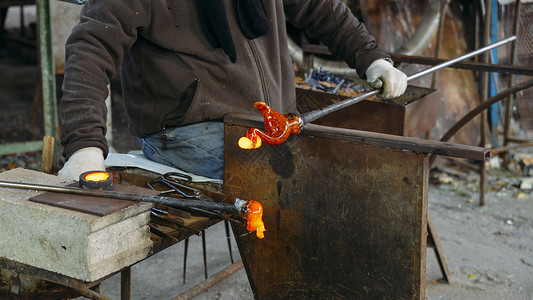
163,139
261,71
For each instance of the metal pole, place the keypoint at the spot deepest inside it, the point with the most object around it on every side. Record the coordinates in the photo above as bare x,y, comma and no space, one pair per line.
48,75
168,201
48,79
315,114
484,79
509,102
125,284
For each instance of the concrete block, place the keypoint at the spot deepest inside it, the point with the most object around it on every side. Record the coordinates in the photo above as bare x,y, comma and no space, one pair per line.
75,244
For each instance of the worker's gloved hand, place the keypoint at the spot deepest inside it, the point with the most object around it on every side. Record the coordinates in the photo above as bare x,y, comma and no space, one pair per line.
382,73
83,160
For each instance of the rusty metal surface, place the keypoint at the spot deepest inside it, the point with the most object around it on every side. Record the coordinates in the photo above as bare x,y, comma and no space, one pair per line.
91,205
344,220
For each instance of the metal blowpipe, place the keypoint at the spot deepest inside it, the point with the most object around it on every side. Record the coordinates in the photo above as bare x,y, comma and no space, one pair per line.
316,114
168,201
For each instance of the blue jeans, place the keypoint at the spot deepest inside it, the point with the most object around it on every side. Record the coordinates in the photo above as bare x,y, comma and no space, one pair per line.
196,148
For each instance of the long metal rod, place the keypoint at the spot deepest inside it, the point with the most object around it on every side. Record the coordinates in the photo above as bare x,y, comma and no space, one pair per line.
465,65
309,117
168,201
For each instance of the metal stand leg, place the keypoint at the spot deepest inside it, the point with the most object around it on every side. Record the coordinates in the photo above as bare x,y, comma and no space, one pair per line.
125,284
434,242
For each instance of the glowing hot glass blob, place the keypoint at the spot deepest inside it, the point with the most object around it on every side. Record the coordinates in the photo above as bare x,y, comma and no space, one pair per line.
97,176
254,218
278,128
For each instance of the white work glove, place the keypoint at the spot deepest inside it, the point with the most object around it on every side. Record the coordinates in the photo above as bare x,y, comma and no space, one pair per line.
382,73
83,160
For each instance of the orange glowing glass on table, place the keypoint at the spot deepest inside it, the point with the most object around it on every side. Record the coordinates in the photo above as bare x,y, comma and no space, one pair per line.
278,128
254,218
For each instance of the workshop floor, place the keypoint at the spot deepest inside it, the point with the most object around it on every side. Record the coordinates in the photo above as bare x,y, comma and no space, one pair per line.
489,249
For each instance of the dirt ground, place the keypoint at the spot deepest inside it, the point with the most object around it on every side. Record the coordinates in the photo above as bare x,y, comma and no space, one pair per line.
489,249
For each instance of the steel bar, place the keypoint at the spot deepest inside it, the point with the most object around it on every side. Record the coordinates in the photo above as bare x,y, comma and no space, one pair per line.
378,139
315,114
207,284
169,201
497,151
204,253
209,214
439,253
465,65
185,252
228,238
86,292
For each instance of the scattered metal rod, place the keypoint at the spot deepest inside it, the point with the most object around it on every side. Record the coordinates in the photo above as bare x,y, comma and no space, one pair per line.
310,116
185,251
84,291
159,211
228,238
204,252
211,214
169,201
207,284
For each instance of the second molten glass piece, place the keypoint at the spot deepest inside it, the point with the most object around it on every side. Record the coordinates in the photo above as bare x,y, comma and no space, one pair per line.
278,128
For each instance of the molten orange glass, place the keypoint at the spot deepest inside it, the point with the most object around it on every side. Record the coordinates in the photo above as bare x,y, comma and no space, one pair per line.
97,176
254,218
278,128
